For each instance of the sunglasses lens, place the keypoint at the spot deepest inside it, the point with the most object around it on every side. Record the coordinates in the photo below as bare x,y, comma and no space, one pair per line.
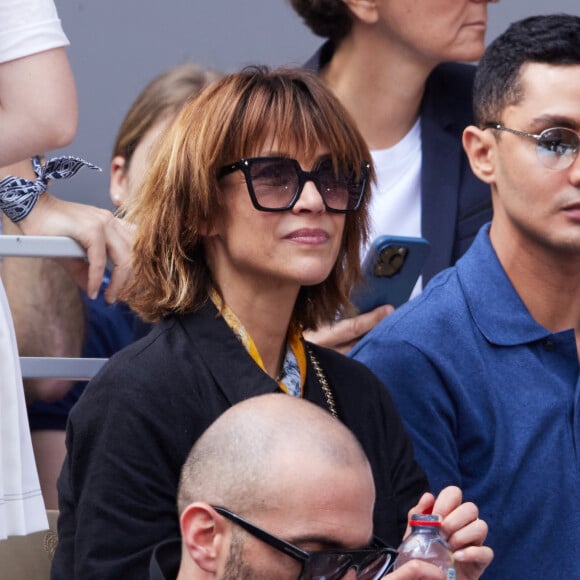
275,182
375,568
333,566
341,192
326,566
558,147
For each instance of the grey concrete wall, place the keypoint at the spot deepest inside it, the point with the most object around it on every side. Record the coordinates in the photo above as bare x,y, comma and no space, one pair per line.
117,46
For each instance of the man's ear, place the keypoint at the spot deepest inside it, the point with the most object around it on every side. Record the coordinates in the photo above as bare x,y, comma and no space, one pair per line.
364,10
118,186
204,536
481,149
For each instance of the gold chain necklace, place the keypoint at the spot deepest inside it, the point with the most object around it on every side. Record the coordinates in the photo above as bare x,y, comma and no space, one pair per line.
323,383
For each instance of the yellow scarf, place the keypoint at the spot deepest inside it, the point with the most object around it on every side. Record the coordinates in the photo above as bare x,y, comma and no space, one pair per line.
293,374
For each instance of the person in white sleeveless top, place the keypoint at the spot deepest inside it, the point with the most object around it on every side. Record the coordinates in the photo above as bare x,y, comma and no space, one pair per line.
32,55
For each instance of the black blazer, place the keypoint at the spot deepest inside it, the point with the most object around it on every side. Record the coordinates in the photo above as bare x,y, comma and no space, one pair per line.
454,203
137,420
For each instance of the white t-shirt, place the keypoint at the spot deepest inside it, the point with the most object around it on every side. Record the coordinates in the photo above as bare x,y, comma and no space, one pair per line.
395,207
26,27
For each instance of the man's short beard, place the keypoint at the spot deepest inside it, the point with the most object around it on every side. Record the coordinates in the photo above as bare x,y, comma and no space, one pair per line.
236,568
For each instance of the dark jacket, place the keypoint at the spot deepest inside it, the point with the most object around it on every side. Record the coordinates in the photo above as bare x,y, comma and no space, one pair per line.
165,561
132,429
454,203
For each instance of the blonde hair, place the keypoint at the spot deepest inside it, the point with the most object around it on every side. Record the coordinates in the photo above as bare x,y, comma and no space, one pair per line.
181,198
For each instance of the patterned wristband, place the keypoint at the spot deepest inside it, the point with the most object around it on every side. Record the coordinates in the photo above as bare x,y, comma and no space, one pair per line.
19,196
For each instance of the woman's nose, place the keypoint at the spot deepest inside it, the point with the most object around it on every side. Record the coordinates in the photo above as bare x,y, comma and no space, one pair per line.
310,199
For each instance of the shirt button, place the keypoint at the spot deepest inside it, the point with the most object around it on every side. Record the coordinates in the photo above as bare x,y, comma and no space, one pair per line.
549,344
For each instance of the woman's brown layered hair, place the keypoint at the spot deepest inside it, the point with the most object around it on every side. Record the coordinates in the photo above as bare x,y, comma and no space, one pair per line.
181,198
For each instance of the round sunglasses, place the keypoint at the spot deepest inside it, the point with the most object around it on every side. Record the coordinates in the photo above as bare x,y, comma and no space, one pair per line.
556,147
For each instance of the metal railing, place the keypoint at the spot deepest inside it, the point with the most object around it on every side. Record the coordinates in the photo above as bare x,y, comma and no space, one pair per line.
50,247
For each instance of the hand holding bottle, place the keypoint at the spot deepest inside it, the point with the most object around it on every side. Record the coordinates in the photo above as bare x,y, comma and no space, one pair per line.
427,543
463,530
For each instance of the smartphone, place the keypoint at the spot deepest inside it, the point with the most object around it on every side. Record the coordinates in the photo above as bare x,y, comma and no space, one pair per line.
390,271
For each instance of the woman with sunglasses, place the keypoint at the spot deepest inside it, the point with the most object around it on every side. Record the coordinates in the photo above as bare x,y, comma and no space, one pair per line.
249,225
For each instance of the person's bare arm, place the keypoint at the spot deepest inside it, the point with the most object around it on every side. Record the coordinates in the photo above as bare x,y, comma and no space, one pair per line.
38,105
46,307
38,112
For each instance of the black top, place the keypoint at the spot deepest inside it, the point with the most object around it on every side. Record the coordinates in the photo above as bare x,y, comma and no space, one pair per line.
165,560
132,429
454,202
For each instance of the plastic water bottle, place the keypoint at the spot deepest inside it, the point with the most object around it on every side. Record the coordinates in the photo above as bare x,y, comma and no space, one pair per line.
426,543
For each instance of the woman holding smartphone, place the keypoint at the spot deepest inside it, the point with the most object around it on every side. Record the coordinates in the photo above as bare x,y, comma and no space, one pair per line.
249,225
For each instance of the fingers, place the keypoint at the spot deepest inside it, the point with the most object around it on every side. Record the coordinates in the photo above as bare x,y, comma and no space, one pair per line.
119,242
425,506
96,230
417,570
95,245
461,524
362,323
336,336
344,334
448,499
461,517
465,532
479,557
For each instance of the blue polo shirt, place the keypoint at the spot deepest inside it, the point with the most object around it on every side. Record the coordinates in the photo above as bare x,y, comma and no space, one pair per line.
491,399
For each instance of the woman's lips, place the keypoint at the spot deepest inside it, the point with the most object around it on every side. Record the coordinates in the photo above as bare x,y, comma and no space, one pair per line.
308,236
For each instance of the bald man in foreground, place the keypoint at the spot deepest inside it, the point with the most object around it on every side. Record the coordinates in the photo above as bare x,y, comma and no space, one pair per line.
276,488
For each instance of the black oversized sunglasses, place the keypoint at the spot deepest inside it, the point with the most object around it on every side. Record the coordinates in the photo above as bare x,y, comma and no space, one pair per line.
369,563
275,183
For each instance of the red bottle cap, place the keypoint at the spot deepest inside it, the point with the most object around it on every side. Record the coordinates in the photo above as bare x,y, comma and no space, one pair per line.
425,520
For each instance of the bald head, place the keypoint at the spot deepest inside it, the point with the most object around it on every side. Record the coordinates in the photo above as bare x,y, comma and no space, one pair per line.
241,459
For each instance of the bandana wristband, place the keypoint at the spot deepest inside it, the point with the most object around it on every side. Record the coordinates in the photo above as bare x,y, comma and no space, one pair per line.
18,196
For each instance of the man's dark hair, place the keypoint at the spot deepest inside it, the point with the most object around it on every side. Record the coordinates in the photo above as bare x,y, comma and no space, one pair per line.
327,18
551,39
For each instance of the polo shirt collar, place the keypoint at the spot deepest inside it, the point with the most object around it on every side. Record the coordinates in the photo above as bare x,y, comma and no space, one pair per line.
496,307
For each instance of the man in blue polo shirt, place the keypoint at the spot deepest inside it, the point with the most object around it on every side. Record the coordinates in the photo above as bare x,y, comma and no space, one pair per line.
483,366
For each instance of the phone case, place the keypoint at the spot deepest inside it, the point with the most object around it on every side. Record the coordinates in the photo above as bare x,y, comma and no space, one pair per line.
390,271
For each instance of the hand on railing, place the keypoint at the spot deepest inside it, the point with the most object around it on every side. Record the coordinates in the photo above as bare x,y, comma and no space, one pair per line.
98,231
